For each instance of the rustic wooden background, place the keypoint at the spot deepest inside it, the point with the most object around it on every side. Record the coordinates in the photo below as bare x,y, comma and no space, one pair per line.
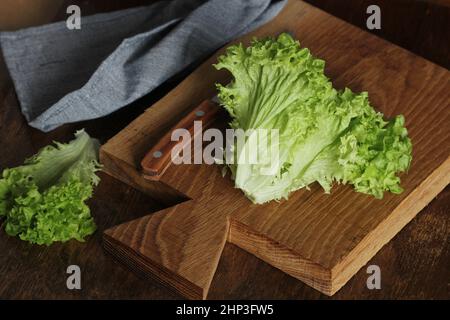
414,265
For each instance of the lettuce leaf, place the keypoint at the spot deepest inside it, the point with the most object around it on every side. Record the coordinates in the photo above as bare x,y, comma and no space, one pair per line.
43,201
324,135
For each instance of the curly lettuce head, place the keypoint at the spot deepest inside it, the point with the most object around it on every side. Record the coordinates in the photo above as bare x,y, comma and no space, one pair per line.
324,135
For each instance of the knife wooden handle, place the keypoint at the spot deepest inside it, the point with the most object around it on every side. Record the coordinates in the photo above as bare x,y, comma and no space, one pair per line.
158,158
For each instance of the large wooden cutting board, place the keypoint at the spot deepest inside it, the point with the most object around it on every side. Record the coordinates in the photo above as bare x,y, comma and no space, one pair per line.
321,239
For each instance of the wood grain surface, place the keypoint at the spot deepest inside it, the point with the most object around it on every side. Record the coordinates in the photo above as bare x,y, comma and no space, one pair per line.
318,238
414,264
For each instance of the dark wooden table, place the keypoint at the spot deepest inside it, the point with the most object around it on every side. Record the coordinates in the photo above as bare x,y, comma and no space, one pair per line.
414,265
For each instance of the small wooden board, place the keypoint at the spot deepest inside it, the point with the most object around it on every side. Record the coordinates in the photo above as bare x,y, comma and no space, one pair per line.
321,239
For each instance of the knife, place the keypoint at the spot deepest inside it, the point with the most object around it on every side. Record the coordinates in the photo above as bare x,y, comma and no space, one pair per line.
158,159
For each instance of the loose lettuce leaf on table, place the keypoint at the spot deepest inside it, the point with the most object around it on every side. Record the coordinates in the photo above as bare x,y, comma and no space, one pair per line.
43,201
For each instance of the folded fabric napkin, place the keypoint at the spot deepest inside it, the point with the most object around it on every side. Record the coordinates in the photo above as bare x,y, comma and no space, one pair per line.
63,76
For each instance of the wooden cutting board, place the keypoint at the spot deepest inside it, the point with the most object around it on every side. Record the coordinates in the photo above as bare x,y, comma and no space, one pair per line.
321,239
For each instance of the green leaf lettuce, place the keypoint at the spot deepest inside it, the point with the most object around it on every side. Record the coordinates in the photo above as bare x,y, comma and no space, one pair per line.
44,200
325,135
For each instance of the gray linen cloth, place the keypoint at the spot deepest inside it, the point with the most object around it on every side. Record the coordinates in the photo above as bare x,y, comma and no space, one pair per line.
63,76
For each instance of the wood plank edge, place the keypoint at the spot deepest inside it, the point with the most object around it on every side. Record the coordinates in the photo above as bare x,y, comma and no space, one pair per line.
217,258
290,262
387,229
148,269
